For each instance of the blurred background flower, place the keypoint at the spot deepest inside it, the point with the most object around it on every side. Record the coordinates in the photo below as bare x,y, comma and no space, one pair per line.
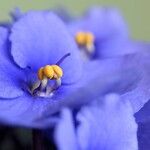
106,124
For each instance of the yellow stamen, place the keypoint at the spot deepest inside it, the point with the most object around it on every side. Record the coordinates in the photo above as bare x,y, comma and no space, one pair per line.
84,38
48,71
58,73
43,87
89,38
40,73
80,38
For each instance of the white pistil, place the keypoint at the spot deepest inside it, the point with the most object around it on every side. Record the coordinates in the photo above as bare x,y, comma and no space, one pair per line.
44,83
50,89
35,86
45,90
90,49
87,52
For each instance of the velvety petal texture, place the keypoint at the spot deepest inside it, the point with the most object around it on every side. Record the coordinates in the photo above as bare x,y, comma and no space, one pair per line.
65,134
3,38
10,75
115,46
24,111
140,61
39,39
107,124
105,76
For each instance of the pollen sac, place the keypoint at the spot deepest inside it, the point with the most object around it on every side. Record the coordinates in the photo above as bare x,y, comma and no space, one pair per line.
84,38
58,73
40,74
48,71
89,38
80,38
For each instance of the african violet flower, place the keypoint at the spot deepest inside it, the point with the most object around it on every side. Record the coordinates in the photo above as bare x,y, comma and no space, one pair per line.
108,124
102,33
36,41
39,46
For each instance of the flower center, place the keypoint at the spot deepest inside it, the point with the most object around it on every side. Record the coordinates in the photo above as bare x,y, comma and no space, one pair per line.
45,74
85,40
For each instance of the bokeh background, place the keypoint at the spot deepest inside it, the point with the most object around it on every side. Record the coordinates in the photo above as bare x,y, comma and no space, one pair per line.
136,12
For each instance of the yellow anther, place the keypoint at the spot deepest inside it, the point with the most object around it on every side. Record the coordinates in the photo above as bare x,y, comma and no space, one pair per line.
89,38
58,73
48,71
80,38
84,38
43,87
40,73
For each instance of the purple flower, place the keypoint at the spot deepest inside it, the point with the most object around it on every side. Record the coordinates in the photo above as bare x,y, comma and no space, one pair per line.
106,124
36,39
102,33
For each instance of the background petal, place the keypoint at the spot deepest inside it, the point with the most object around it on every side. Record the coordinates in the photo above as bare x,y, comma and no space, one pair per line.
108,124
144,135
102,22
115,46
65,135
140,95
40,38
